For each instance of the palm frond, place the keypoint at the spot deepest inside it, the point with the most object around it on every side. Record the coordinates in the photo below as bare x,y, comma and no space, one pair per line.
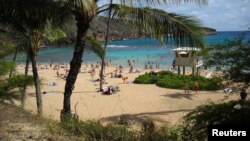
5,67
95,46
159,2
53,34
9,19
182,30
6,49
80,5
28,15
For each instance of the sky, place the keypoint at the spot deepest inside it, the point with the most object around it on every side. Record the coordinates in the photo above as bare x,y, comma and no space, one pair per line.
222,15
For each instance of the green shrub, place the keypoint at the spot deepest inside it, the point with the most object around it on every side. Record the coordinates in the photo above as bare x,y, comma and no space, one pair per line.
148,78
16,81
5,67
149,132
168,79
196,122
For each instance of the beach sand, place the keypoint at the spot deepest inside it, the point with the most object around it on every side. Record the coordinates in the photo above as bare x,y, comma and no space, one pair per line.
138,102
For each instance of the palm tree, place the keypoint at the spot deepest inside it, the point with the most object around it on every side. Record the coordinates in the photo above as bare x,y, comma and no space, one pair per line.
105,46
158,23
29,18
14,59
27,62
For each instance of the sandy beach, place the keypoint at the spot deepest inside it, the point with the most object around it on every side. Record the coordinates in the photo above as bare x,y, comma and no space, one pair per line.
138,102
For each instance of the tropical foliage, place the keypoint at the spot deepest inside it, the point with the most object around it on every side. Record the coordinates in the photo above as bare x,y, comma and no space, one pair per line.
5,67
30,19
168,79
7,85
230,113
233,57
7,88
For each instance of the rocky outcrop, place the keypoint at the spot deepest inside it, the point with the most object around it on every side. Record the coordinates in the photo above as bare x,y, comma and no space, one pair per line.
118,29
209,31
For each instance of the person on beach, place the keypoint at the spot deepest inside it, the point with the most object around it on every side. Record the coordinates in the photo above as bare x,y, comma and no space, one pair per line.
151,67
186,88
92,73
174,65
124,79
131,69
129,63
57,73
120,66
196,87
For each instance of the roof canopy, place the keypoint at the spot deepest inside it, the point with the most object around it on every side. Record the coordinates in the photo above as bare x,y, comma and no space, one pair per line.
183,52
187,49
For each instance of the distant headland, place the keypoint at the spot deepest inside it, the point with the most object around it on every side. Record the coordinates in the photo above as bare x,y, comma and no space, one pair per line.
118,30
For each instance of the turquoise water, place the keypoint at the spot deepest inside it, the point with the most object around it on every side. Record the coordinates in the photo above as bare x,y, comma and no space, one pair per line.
140,50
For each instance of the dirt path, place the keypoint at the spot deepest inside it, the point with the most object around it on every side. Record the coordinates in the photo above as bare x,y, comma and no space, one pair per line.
18,125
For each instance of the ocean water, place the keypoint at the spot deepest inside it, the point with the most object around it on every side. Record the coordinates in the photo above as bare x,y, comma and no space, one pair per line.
140,51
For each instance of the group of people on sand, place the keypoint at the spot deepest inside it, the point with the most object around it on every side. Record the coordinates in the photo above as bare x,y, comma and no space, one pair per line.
118,74
62,75
56,67
243,93
110,90
133,70
186,87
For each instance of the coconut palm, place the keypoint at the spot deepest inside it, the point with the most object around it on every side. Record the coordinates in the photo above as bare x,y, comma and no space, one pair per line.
29,18
158,23
105,46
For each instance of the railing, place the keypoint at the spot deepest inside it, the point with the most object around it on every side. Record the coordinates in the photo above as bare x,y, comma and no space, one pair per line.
199,63
192,62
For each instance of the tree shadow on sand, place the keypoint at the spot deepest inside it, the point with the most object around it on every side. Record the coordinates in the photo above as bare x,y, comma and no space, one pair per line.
180,96
141,117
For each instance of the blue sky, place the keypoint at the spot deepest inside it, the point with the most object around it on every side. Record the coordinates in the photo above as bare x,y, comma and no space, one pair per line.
223,15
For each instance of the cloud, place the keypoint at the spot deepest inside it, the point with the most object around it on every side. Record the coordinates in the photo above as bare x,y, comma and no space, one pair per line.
223,15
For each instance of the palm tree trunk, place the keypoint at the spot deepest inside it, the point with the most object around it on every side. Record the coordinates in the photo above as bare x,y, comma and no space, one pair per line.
14,59
37,82
75,64
101,72
25,86
105,46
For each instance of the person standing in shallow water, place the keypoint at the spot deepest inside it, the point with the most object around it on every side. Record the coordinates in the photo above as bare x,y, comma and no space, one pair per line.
196,87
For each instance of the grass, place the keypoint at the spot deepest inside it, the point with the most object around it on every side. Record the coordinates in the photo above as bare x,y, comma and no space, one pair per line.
193,127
